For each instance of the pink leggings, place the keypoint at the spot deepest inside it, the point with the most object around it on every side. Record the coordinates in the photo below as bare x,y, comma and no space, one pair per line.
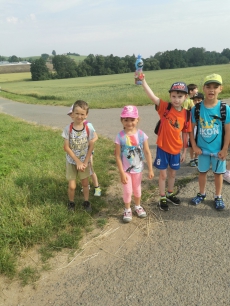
133,186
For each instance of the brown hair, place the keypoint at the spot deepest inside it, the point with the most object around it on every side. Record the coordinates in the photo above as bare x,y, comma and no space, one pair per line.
82,104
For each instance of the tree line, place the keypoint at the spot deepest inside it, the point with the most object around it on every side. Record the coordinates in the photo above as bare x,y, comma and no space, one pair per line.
94,65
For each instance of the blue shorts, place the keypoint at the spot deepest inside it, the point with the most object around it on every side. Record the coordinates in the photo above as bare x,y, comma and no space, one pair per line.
164,159
204,162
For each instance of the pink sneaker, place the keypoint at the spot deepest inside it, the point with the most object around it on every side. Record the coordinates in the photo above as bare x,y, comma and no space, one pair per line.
226,177
127,216
140,212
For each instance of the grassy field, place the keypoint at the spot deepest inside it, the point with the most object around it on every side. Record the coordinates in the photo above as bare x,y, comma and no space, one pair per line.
33,195
106,91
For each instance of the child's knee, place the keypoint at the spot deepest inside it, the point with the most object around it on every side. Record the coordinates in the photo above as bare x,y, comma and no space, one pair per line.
85,182
72,185
163,176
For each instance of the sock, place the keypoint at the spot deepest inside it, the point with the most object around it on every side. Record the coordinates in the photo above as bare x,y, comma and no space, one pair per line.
169,192
137,207
127,209
218,196
163,196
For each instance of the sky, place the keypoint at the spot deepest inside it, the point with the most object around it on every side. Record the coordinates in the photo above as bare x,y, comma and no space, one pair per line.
118,27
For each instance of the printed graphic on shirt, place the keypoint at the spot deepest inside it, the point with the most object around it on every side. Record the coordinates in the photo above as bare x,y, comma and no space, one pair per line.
131,152
209,130
173,121
78,143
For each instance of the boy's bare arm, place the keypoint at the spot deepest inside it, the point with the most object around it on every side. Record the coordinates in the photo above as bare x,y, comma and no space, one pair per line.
79,164
150,93
224,151
195,148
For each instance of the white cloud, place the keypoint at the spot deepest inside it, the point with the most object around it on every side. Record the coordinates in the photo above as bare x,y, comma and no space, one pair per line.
32,17
112,26
13,20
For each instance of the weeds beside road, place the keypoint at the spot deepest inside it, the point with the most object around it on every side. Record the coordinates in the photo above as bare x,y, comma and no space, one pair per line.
33,193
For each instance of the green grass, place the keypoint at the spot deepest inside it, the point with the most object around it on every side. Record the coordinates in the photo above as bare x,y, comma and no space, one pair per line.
33,194
108,91
15,77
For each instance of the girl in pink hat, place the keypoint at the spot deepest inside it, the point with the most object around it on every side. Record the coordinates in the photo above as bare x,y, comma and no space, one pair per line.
131,148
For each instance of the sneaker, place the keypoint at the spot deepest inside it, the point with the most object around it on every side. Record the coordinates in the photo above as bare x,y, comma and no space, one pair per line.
226,177
71,205
162,205
172,198
198,199
141,212
127,216
192,163
82,188
196,161
97,192
219,203
87,207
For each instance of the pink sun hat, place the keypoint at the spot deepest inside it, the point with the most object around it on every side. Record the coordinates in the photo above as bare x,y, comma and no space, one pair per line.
129,111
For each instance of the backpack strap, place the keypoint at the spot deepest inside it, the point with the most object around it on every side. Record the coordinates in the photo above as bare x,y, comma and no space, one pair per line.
223,118
85,125
70,127
197,117
187,119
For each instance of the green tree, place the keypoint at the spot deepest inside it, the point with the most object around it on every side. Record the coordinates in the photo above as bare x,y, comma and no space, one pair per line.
45,56
39,70
2,58
13,59
226,52
54,53
65,67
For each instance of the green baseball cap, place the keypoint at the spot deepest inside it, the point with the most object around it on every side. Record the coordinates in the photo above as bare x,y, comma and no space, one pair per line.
213,78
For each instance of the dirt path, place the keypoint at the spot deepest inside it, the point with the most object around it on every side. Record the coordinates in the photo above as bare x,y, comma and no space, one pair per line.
181,257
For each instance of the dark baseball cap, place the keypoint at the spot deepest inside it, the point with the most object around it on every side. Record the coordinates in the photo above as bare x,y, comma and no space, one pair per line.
198,95
179,86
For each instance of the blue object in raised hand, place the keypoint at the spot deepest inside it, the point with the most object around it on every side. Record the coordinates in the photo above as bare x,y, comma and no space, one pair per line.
138,73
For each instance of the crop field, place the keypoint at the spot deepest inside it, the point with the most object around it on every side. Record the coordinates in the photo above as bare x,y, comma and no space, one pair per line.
106,91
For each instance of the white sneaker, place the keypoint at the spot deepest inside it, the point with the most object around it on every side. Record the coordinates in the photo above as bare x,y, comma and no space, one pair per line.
140,212
127,216
82,188
226,177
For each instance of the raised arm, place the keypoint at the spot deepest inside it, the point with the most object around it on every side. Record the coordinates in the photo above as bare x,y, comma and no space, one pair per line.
150,93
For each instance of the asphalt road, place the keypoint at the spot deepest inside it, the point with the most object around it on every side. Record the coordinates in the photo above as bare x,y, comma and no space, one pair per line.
181,257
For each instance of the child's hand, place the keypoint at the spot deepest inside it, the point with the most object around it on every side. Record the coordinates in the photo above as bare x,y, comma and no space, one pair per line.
124,178
197,150
151,174
223,154
80,166
182,157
